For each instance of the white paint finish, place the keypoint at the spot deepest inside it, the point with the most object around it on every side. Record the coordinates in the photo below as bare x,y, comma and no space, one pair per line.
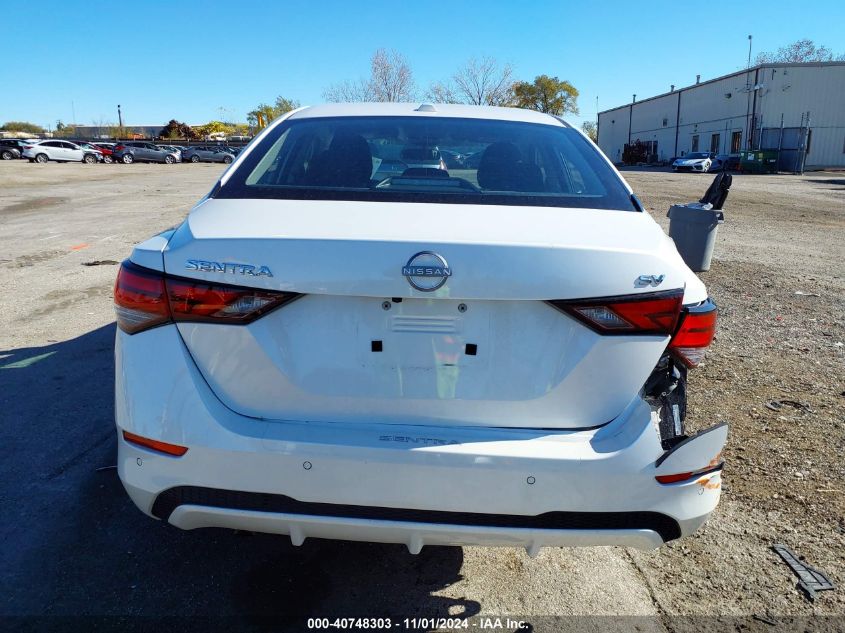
312,361
496,252
440,110
699,452
427,468
148,253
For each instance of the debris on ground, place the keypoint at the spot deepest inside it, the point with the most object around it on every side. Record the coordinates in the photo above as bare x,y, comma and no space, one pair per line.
810,580
101,262
777,405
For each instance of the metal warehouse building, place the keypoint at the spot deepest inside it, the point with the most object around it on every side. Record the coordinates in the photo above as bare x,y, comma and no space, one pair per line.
794,108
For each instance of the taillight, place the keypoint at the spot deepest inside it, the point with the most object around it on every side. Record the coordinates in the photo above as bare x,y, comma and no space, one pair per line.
695,333
654,313
145,298
200,301
117,148
28,146
140,298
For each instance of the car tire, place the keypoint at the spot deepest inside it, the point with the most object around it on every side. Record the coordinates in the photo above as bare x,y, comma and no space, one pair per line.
42,158
128,159
169,159
227,159
195,159
7,155
108,160
89,159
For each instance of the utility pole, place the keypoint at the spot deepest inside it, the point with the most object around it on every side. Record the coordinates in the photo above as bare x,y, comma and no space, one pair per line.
119,116
749,52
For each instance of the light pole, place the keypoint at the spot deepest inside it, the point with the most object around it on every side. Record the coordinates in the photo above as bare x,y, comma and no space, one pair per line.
749,52
119,117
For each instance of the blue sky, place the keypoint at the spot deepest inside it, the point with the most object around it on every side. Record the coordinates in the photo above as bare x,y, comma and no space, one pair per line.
197,60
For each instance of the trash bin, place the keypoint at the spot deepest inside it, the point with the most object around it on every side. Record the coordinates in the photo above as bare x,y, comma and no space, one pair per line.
693,228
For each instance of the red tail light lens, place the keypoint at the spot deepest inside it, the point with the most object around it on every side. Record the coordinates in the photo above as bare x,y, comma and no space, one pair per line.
117,148
695,334
145,298
199,301
654,313
140,298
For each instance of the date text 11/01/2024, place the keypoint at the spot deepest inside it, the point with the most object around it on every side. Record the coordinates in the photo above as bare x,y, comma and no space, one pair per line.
422,624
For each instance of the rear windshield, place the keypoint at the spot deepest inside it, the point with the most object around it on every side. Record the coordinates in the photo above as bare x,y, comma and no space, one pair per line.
404,159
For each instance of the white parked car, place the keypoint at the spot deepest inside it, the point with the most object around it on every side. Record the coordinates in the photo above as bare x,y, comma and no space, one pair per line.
694,161
493,356
59,151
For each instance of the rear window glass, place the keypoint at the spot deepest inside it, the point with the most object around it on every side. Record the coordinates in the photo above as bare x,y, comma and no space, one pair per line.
428,159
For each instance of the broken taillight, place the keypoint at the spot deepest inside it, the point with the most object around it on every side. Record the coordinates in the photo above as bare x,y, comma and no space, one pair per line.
657,313
654,313
145,298
695,333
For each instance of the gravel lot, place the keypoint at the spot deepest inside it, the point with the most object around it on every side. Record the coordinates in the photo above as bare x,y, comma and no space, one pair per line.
74,544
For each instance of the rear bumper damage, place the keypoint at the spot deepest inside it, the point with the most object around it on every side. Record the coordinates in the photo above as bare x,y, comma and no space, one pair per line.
398,483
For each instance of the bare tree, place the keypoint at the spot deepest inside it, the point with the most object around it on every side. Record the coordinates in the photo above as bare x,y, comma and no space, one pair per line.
800,51
478,82
391,79
440,92
484,82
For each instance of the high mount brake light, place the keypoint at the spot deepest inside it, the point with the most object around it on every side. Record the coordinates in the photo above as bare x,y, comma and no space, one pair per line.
695,333
146,298
654,313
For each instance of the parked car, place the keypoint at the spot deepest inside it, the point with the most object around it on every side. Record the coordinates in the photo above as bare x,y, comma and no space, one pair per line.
59,151
9,151
108,151
140,151
452,160
16,144
499,358
208,154
422,158
177,151
727,162
694,161
101,156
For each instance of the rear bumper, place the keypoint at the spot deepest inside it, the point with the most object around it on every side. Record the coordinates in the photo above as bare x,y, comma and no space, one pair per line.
390,482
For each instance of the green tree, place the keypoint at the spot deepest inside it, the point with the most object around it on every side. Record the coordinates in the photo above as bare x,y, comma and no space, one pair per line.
800,51
270,112
591,129
547,94
22,126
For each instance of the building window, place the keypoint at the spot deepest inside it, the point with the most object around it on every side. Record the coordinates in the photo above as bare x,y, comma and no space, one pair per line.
694,143
715,141
665,121
736,142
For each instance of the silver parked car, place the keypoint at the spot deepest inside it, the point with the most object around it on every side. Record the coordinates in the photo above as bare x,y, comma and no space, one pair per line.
210,154
141,151
177,151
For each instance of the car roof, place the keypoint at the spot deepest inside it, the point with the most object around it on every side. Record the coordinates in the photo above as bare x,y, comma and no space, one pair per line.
438,110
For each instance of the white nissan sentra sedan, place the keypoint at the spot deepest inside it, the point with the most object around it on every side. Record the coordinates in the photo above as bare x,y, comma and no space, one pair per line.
334,346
